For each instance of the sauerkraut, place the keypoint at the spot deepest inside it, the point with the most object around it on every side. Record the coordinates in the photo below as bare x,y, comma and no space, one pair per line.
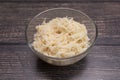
61,38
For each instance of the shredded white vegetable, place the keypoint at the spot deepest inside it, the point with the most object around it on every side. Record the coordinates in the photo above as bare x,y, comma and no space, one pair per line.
61,38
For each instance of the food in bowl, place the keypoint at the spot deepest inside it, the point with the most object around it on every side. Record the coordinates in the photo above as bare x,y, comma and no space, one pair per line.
61,38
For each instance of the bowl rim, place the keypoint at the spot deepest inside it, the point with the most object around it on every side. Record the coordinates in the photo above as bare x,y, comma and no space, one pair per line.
38,53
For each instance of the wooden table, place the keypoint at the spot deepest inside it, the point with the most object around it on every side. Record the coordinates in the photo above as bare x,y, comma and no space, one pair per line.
17,62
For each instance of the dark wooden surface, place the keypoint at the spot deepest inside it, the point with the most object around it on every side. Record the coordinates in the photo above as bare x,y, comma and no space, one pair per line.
84,1
17,62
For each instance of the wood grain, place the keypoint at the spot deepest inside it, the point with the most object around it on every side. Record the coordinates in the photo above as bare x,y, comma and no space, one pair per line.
19,63
14,18
59,1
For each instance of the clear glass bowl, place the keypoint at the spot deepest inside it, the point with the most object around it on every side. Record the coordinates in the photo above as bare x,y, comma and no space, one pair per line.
61,12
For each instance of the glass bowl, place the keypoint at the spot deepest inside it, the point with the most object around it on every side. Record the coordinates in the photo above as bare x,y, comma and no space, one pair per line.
61,12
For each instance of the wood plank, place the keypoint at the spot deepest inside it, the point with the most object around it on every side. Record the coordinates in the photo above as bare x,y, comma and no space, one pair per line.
14,18
59,1
18,62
